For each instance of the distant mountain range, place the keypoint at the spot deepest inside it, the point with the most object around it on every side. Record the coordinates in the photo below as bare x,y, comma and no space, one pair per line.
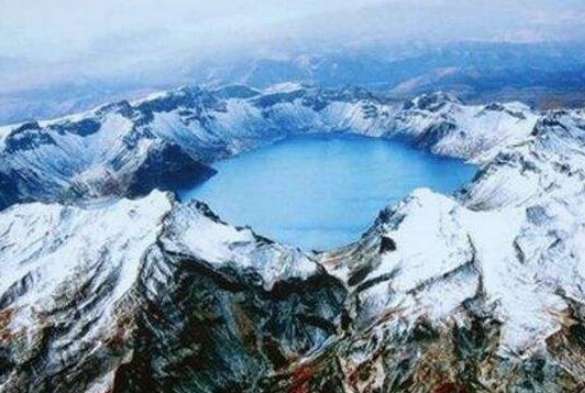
541,75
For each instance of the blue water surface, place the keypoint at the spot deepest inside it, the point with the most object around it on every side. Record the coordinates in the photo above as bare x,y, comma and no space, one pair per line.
322,191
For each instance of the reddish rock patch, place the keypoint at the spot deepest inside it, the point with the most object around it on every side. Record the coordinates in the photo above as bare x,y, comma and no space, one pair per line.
6,316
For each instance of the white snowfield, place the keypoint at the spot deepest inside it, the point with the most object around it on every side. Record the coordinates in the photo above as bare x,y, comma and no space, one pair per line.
513,240
49,253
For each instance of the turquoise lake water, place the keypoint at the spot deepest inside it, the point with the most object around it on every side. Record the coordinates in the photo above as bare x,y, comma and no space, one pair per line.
322,191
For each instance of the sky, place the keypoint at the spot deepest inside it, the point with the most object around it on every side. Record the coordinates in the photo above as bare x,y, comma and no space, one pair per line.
45,40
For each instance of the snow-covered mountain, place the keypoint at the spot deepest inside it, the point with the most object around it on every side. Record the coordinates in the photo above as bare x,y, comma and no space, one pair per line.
481,291
167,139
141,295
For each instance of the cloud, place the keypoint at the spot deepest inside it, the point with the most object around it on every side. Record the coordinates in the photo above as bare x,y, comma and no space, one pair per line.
62,39
61,29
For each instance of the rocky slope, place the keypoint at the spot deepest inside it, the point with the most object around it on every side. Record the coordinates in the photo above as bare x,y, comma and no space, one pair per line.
149,295
482,291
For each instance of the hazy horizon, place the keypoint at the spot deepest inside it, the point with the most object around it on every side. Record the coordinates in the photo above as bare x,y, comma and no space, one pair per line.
52,41
59,57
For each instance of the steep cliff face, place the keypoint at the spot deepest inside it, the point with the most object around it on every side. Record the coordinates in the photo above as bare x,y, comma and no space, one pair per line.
480,293
149,295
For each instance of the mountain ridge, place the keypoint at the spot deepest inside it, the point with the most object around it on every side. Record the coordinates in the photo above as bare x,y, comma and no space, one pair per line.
42,160
479,291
